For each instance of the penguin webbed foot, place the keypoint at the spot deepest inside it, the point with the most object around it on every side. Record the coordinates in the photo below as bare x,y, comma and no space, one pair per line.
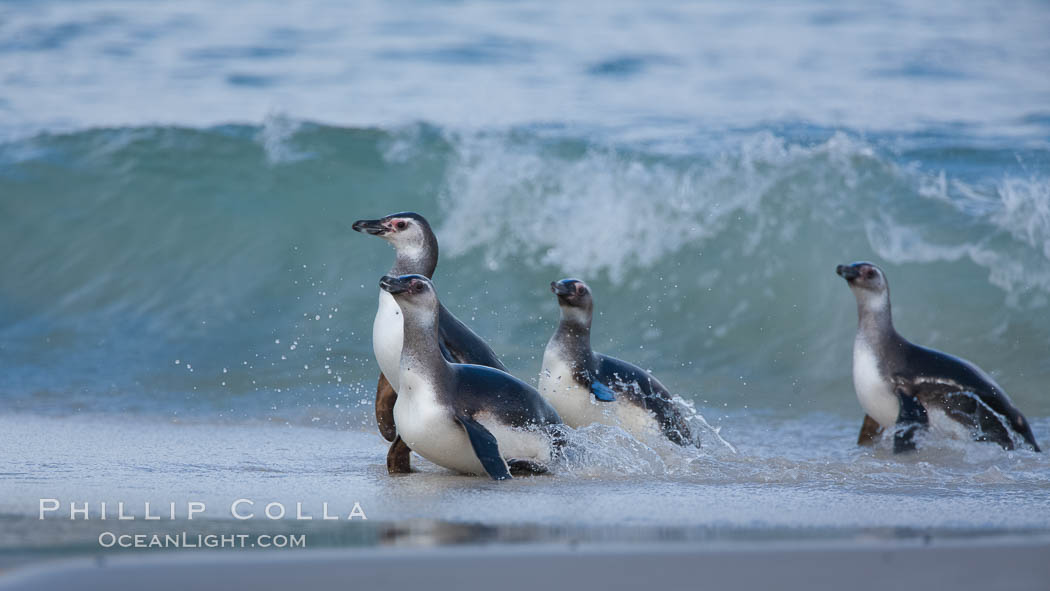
911,419
399,457
870,431
485,447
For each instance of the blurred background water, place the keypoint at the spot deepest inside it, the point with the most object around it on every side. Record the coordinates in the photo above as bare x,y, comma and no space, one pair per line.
177,182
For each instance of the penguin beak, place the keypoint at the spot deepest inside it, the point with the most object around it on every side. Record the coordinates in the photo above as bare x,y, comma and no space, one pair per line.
847,272
394,285
562,288
373,227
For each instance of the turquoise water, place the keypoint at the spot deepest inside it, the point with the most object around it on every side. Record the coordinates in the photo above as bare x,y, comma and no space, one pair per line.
177,183
176,270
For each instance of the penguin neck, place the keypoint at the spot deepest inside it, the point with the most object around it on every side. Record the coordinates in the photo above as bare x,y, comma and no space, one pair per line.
874,318
415,262
417,259
420,350
574,334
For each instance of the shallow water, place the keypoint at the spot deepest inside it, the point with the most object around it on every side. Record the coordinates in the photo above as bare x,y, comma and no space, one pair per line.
794,478
185,313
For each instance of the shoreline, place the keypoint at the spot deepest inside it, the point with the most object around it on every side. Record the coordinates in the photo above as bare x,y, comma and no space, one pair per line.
1006,564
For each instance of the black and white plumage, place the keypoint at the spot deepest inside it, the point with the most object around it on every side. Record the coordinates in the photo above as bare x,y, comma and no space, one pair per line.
416,249
892,375
469,418
588,387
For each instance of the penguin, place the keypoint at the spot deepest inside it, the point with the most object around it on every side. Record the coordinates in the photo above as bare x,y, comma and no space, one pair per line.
468,418
905,387
416,252
587,387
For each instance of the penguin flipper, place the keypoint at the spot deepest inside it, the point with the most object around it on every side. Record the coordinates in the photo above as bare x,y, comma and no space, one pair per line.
485,447
385,399
911,419
870,430
602,392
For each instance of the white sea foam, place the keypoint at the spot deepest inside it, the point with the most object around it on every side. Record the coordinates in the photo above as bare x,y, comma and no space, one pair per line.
1025,211
276,138
611,211
1017,208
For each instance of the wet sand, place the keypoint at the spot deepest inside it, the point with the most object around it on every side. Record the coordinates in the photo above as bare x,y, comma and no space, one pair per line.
1012,564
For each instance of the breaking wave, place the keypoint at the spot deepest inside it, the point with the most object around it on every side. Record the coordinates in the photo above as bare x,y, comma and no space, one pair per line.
136,253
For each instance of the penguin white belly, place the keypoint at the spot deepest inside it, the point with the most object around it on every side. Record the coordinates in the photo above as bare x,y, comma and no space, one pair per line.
571,400
579,408
873,391
637,421
430,429
388,333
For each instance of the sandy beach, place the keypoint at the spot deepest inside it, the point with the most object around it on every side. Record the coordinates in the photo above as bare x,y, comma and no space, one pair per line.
1005,565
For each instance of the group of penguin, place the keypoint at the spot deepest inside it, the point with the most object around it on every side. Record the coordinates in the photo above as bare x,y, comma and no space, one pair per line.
444,393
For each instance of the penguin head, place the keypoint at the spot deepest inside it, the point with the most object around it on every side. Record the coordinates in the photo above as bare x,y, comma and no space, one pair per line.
866,280
412,292
407,232
574,297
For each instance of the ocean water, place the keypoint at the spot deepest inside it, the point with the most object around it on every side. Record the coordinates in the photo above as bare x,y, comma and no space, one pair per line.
185,313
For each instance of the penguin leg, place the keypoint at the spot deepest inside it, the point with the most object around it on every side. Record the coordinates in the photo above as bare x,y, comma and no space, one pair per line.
911,419
399,457
385,399
870,431
485,447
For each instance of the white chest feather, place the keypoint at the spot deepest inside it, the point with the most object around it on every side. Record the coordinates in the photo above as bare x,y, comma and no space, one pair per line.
874,391
578,407
431,430
388,333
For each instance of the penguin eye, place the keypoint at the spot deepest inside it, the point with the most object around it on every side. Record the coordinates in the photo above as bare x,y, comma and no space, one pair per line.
869,273
418,286
401,225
